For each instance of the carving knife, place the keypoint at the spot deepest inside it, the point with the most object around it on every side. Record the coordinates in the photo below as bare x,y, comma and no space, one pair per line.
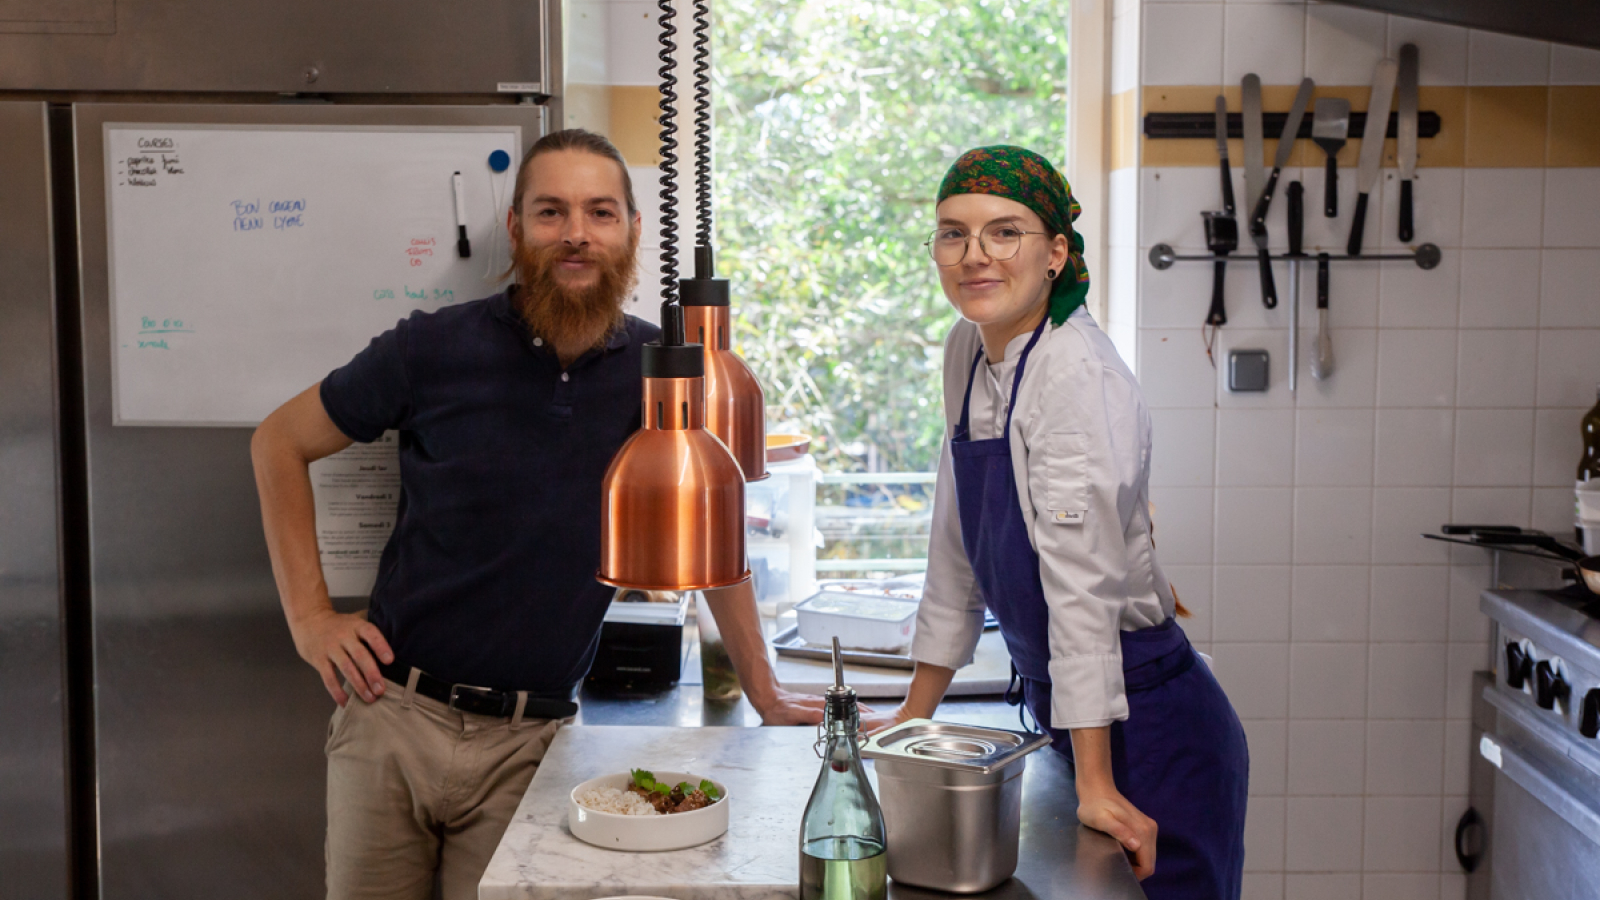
1258,216
1297,222
1255,180
1407,144
1255,162
1378,103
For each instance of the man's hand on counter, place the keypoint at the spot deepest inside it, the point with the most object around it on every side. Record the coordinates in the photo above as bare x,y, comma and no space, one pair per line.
788,708
342,645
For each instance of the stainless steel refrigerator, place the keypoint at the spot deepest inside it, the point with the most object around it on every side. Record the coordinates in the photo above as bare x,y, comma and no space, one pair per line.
159,736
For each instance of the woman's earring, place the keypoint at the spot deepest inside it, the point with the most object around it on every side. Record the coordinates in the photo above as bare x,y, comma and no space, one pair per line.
1050,274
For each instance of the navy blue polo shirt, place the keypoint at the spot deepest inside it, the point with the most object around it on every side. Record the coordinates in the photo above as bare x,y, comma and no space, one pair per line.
489,577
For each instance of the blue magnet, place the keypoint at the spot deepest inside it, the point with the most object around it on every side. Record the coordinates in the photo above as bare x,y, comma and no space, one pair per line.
499,160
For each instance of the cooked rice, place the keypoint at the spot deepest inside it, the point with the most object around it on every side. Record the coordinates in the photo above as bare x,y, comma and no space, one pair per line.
612,800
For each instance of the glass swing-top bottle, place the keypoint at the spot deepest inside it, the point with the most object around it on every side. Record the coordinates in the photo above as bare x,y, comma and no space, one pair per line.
841,834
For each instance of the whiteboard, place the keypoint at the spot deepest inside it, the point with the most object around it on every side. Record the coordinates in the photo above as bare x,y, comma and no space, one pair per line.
247,262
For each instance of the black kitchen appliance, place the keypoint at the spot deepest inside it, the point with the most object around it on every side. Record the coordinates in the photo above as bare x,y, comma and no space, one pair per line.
641,641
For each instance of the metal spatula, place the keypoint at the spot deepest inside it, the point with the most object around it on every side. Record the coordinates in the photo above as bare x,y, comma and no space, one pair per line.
1330,126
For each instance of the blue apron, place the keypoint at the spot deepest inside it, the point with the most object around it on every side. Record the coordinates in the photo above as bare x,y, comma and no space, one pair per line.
1180,757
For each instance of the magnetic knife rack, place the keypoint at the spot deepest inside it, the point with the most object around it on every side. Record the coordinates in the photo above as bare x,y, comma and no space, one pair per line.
1203,126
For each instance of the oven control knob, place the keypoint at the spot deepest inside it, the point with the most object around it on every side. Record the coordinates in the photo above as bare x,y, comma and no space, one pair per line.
1519,666
1549,686
1589,717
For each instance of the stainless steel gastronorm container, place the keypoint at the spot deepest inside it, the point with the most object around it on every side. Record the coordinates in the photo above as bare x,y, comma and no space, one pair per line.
952,802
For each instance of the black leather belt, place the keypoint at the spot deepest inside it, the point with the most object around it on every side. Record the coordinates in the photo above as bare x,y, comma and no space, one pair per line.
480,700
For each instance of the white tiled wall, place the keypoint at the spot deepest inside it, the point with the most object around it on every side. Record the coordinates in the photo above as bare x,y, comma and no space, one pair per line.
1291,523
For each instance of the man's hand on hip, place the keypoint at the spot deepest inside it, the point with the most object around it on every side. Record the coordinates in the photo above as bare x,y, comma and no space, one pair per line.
344,644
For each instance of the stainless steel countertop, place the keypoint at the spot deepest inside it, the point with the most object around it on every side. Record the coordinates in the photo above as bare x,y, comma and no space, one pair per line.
1058,858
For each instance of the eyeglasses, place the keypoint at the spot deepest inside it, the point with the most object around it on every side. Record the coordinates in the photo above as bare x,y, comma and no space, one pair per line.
998,241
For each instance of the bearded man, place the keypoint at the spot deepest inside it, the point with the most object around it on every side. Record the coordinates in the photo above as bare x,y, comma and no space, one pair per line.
486,611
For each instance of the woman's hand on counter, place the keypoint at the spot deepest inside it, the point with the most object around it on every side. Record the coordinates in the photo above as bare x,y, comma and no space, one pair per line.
1102,807
341,644
928,685
1108,811
873,721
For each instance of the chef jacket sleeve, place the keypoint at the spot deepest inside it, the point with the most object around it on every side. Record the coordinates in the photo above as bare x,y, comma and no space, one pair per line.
950,616
1083,450
371,394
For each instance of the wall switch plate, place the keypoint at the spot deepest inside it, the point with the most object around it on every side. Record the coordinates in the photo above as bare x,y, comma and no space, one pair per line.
1247,370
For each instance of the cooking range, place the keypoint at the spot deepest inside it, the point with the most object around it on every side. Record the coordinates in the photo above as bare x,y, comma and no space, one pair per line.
1542,739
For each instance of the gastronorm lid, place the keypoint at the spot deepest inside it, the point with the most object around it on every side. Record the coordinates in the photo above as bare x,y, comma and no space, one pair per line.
947,745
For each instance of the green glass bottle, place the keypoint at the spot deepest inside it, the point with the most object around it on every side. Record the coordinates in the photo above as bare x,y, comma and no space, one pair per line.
841,834
1589,466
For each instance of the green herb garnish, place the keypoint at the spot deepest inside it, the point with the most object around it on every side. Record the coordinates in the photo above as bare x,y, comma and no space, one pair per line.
645,780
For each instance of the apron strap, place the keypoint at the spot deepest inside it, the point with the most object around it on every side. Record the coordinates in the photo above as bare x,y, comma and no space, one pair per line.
1016,382
966,402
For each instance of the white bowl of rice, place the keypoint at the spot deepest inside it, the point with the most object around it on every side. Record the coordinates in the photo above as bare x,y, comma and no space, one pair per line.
603,812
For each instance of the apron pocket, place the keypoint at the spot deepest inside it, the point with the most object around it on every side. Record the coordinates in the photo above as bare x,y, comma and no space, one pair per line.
1067,468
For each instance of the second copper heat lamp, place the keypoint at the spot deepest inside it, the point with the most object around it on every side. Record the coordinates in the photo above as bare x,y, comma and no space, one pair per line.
673,512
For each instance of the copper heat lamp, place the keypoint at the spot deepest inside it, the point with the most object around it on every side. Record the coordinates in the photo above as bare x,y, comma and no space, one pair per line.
736,408
672,517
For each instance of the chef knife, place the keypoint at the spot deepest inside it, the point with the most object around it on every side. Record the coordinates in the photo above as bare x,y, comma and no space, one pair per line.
1222,153
1329,126
1258,217
1222,229
1255,181
1378,103
1407,144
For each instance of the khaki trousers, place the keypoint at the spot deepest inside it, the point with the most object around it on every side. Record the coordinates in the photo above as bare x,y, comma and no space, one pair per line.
415,788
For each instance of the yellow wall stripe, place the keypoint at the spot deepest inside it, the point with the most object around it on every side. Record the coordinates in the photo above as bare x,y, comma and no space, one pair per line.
635,125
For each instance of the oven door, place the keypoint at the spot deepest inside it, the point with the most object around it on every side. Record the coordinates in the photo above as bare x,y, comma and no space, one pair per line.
1546,843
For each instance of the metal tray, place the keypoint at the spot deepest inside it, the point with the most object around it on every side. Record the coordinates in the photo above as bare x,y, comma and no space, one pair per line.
788,643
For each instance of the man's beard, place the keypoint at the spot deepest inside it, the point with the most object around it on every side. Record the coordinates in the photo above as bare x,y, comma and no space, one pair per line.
574,319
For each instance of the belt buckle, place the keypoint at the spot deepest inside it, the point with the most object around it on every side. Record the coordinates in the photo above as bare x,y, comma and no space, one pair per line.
458,691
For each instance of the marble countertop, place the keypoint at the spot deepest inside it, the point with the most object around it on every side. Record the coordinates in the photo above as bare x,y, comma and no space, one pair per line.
769,773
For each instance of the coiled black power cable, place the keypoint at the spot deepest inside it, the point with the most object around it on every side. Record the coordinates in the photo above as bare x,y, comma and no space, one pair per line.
669,163
702,132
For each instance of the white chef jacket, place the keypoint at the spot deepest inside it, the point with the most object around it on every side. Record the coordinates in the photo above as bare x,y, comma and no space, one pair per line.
1080,454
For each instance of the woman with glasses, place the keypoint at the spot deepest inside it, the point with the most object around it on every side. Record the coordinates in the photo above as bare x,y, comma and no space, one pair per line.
1041,514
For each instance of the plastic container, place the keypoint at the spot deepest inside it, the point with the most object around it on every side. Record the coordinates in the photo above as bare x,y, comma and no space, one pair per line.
719,680
781,534
859,621
1589,532
1587,496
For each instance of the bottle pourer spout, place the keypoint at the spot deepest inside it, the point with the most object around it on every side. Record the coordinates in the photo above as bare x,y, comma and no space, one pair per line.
838,667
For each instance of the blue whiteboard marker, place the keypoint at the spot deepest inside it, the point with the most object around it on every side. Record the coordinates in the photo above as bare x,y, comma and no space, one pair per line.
463,247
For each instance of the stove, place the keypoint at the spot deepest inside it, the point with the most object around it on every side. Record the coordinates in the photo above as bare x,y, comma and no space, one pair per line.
1541,741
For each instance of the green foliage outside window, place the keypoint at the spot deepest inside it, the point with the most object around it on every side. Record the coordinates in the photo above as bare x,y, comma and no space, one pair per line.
835,121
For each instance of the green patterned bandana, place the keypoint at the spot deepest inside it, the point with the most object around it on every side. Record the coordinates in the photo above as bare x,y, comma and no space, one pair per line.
1028,178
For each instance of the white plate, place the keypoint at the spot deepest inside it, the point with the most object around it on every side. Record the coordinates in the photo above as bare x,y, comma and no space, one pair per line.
646,833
